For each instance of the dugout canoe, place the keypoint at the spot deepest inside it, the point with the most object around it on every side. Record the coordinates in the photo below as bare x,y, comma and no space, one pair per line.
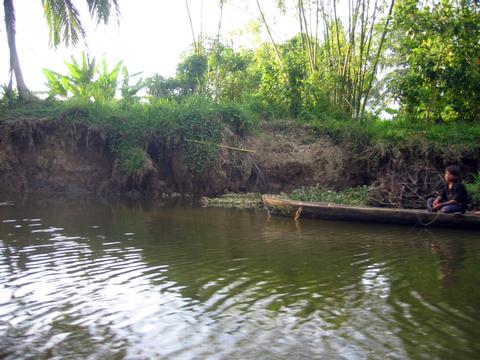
328,211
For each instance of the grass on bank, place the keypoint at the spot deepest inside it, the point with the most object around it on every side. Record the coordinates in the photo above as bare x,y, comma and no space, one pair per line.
171,115
131,126
399,134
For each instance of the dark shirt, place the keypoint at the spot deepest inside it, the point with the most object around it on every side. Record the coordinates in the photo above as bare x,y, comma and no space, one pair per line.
457,193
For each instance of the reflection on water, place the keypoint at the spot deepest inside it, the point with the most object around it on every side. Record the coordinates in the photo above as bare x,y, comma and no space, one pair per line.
80,278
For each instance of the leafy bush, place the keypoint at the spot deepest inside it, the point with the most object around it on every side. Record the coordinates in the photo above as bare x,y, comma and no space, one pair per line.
133,160
349,196
9,96
190,80
239,117
164,88
473,189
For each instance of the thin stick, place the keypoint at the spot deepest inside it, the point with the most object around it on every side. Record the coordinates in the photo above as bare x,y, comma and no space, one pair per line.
221,146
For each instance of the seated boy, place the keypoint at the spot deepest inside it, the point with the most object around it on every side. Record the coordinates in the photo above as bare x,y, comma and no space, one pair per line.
454,197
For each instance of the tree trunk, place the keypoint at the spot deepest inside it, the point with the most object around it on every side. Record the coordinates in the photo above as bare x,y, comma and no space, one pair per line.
15,69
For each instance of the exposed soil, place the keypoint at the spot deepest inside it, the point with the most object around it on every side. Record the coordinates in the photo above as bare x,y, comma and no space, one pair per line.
52,156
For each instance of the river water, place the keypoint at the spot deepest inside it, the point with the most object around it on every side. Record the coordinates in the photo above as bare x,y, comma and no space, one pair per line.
89,279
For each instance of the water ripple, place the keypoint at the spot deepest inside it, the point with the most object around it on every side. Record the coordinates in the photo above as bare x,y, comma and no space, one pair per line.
194,284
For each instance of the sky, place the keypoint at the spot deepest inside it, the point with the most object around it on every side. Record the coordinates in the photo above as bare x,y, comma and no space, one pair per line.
150,38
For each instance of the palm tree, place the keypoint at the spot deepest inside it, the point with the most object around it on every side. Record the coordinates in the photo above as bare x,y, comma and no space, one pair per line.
64,25
15,69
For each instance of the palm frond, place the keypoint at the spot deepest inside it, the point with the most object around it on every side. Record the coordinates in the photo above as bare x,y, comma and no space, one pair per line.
101,10
63,21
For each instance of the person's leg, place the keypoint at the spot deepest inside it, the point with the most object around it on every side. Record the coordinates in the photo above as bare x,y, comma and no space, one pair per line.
430,204
452,209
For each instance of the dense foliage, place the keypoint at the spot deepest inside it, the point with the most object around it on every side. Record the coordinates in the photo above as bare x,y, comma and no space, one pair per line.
438,51
473,189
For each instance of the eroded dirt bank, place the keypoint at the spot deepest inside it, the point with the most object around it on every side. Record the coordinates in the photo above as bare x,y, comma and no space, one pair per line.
57,156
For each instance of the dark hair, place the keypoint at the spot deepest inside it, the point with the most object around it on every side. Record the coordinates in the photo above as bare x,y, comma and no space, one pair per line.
454,170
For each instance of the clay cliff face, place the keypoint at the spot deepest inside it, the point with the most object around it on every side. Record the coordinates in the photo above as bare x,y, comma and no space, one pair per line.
46,156
57,156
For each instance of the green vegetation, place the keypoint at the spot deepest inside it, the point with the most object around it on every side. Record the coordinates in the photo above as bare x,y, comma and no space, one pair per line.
87,81
453,138
473,189
233,200
438,60
349,196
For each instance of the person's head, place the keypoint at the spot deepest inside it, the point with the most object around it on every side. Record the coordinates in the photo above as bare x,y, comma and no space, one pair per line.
452,173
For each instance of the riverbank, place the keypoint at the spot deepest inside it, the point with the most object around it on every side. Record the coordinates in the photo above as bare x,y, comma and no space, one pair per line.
207,150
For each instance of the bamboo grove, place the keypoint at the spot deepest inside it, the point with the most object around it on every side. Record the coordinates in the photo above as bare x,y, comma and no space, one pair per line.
363,56
333,61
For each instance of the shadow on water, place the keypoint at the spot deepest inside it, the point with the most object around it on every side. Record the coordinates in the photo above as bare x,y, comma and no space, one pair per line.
130,279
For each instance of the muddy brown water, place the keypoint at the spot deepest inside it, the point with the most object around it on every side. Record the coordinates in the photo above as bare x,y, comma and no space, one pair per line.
90,279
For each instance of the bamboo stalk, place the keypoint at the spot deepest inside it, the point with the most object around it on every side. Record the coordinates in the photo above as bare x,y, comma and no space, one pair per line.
377,57
191,28
275,49
220,146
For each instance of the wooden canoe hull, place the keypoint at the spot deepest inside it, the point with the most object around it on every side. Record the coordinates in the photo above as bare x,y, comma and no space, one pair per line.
326,211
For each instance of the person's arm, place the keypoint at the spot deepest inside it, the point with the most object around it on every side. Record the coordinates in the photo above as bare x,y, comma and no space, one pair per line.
443,196
446,203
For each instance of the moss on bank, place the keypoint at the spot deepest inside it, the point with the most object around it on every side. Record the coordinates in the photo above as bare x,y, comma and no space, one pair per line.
234,200
350,196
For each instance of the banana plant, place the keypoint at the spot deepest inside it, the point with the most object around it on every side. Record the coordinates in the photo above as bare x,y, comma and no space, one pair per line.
90,81
129,92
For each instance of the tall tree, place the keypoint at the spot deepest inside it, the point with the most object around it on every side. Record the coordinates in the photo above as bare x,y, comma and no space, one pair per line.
64,23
